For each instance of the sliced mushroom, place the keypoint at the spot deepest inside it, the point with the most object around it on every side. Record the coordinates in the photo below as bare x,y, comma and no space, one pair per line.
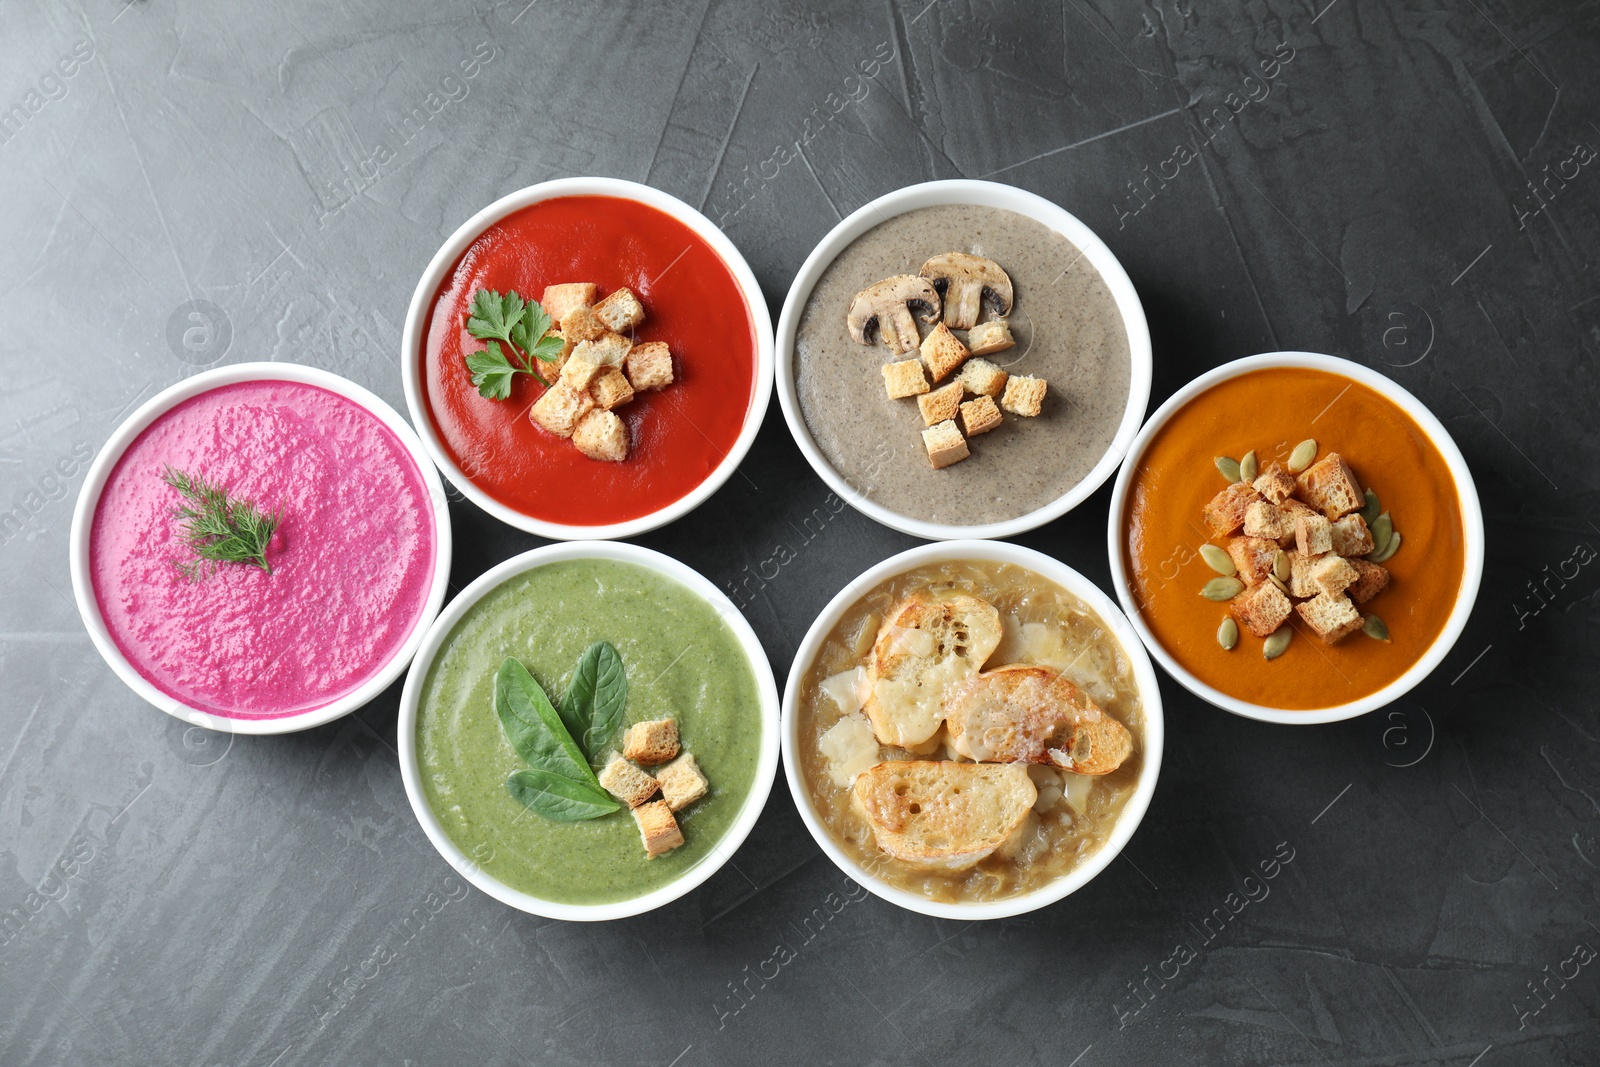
965,281
887,305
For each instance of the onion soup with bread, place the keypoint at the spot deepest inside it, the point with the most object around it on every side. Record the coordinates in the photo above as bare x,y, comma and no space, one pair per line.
970,731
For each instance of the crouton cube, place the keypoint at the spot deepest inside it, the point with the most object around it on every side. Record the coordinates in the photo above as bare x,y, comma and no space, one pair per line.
607,350
1024,395
1313,535
1330,486
579,369
943,352
1332,618
681,782
554,368
1300,583
905,378
1275,483
991,336
568,296
620,310
1261,608
983,378
658,828
610,388
980,415
941,405
601,435
1225,513
1351,536
1332,575
582,324
627,783
560,408
651,742
945,444
1291,510
1262,519
1253,557
649,366
1371,579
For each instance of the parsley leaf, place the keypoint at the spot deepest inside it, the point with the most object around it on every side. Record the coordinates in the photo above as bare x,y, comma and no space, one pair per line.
491,372
549,348
523,326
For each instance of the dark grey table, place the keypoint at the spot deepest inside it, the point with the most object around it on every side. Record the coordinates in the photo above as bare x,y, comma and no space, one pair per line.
1414,187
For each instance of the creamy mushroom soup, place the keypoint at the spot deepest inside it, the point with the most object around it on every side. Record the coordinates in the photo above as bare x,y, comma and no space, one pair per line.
1068,331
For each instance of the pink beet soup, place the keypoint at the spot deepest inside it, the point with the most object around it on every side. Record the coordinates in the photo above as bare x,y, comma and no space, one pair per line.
352,560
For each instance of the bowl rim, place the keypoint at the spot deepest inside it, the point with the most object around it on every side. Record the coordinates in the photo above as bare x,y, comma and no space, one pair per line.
1471,522
981,194
415,333
766,763
1072,581
116,446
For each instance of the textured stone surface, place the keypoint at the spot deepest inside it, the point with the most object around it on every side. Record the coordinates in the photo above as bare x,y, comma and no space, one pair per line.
272,901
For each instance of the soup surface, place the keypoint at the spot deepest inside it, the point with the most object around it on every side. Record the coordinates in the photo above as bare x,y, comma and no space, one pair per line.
682,662
352,561
1068,331
1044,625
680,435
1271,411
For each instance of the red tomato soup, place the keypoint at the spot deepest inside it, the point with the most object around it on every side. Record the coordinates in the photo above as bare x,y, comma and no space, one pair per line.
679,434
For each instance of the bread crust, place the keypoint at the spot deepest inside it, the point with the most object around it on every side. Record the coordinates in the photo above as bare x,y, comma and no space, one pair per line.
651,742
1261,609
1330,486
958,627
941,815
658,828
1021,713
649,366
1225,512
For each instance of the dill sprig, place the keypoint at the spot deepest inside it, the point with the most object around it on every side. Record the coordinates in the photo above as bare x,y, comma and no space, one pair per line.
218,527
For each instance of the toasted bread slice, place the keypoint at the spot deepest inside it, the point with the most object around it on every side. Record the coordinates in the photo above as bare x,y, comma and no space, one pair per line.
941,815
928,644
1027,714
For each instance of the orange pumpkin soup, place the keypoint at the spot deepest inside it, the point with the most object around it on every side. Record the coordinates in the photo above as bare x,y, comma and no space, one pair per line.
1271,411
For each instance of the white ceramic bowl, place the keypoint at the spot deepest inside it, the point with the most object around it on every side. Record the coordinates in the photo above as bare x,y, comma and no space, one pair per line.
760,787
416,334
982,194
1471,521
1051,570
95,481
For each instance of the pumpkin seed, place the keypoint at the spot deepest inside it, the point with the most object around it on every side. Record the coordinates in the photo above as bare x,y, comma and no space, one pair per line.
1275,580
1374,628
1281,568
1370,513
1228,634
1391,549
1222,589
1229,468
1278,643
1382,530
1303,454
1249,467
1218,560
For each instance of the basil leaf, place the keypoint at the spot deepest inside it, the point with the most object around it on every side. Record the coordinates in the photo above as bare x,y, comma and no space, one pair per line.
534,728
560,798
596,696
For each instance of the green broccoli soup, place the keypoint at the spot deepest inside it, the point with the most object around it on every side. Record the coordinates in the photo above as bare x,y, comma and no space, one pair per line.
681,663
